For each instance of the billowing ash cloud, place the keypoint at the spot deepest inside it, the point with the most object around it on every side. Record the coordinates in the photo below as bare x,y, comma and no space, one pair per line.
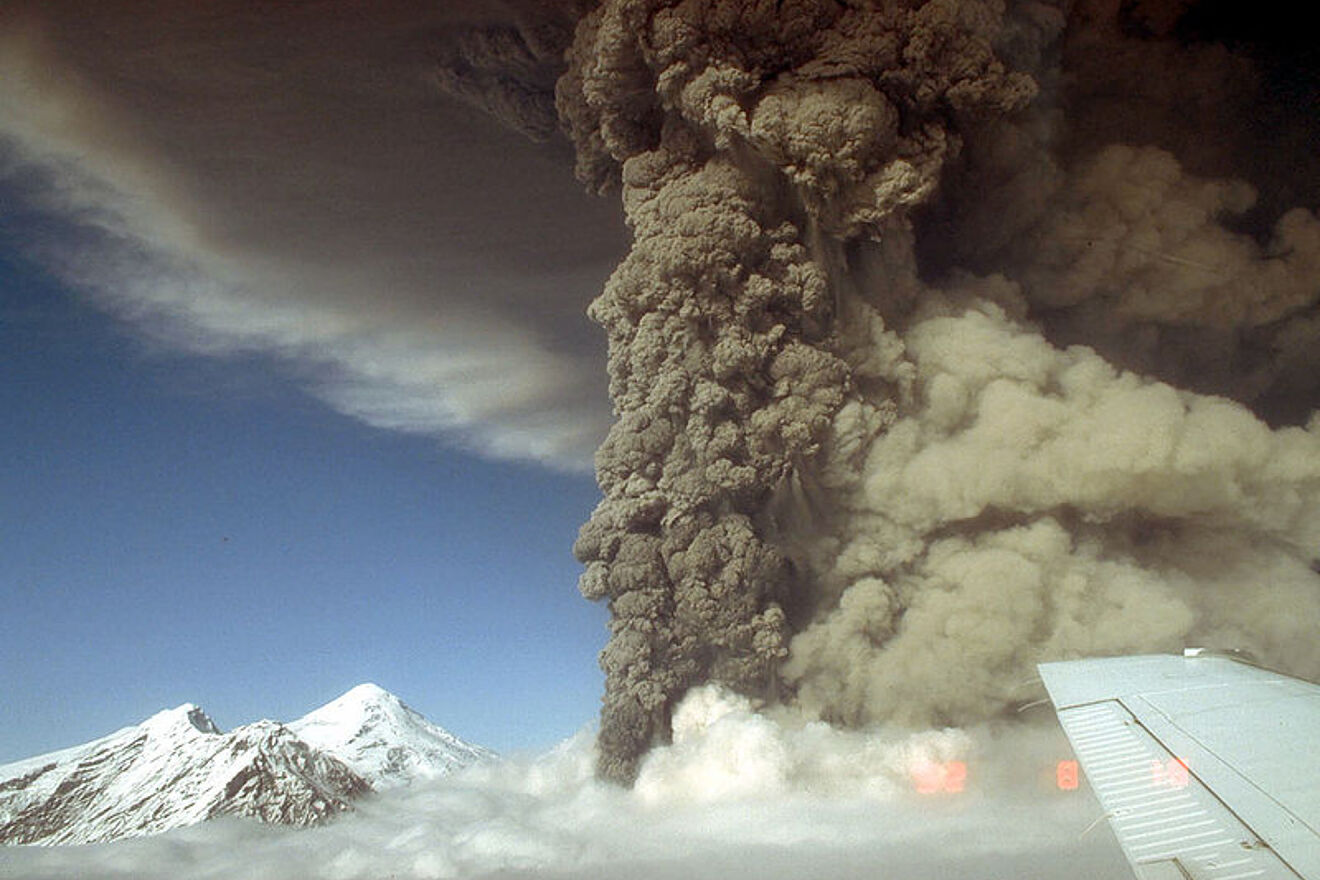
860,466
727,360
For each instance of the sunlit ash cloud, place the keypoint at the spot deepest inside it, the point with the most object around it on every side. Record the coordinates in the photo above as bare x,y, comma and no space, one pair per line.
927,370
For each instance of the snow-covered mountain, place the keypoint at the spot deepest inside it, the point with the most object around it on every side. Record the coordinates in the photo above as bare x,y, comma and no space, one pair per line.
383,739
177,768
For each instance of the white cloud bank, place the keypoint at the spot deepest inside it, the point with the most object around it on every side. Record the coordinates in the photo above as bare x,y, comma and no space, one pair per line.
737,795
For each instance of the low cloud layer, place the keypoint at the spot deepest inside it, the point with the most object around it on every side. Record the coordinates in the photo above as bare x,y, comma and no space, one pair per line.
737,795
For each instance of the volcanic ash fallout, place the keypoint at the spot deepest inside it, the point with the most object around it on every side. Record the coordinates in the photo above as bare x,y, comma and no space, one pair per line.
863,466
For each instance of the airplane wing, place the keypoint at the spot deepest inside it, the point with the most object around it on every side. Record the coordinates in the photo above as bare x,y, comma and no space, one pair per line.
1208,768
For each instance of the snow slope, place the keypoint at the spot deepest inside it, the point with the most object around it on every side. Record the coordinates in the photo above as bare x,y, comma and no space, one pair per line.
177,768
383,739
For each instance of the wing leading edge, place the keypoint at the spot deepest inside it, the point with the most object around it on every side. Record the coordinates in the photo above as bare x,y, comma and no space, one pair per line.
1208,768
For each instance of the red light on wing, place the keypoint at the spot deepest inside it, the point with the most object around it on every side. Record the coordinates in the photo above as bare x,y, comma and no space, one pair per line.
927,777
1171,773
931,777
955,776
1066,776
1176,772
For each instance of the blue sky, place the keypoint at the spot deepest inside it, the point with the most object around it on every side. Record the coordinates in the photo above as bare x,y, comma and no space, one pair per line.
243,349
177,528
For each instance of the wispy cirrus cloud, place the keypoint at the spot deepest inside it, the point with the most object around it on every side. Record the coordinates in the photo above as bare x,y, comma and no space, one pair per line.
295,182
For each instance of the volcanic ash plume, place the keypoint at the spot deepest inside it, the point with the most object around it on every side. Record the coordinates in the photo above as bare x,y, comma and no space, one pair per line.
750,141
852,475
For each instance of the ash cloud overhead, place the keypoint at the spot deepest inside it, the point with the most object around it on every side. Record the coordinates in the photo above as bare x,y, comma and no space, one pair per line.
864,466
952,336
303,180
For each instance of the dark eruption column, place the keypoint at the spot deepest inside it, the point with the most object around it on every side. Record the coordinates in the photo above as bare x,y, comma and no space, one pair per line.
751,141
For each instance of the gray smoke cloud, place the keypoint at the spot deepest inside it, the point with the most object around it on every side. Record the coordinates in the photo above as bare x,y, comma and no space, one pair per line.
862,466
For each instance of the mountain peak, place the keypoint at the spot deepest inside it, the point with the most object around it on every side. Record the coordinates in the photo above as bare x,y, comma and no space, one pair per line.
384,739
181,717
367,692
200,720
178,768
356,707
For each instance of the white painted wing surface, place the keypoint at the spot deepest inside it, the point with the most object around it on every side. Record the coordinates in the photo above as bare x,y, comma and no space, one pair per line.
1208,768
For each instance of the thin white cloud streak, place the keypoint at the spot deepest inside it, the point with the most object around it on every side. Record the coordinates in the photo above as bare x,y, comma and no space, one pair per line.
738,795
487,385
407,259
